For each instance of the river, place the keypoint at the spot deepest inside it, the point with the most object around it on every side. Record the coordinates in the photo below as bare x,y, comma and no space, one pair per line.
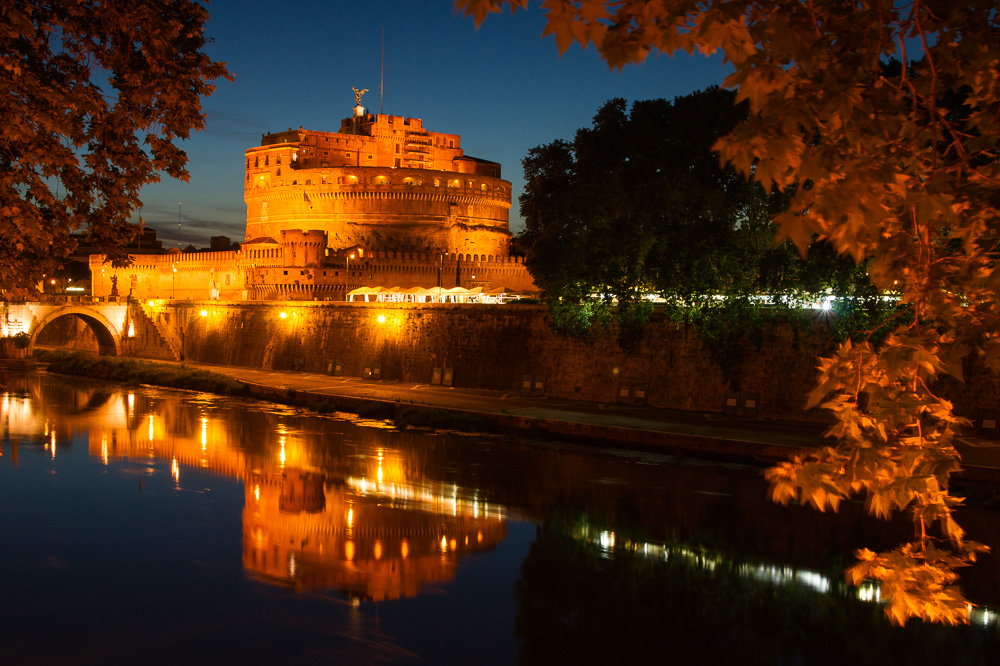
149,526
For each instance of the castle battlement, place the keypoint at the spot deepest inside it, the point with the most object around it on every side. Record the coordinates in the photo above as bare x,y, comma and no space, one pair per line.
382,182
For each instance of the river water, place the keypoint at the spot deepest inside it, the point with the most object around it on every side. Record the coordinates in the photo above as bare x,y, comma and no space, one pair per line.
162,527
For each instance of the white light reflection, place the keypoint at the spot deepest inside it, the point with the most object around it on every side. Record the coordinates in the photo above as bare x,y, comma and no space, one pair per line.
867,591
448,500
175,471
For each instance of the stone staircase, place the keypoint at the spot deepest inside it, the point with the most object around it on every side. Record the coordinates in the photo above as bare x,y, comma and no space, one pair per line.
163,329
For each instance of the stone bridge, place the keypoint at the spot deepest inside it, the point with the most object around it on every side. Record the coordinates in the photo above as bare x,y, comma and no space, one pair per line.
118,326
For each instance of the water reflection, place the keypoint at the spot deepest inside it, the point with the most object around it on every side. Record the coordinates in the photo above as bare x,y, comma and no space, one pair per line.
376,529
625,543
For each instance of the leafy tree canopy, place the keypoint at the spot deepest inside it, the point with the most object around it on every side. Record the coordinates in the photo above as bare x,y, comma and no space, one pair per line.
900,169
639,204
95,95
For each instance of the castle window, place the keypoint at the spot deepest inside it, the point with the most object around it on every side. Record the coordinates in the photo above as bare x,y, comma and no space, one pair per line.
279,172
256,161
285,272
397,148
326,152
277,160
248,162
295,182
309,181
437,182
454,183
347,154
451,143
397,162
266,160
369,157
340,180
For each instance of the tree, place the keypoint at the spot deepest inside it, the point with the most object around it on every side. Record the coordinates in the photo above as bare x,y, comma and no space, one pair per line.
95,95
887,171
638,203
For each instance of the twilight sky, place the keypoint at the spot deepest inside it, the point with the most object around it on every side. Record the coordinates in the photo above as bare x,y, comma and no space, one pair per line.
503,88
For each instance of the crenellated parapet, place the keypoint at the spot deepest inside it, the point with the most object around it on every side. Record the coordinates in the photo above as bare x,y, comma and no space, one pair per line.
383,182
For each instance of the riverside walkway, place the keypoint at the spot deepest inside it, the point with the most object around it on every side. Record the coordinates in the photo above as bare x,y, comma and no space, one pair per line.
715,435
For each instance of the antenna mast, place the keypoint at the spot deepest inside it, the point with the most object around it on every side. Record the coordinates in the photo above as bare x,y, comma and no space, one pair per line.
381,76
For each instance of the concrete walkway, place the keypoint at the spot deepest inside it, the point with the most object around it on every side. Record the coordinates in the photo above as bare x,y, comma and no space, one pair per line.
647,428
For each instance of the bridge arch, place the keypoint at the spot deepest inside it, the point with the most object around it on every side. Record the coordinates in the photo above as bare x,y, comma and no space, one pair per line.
107,334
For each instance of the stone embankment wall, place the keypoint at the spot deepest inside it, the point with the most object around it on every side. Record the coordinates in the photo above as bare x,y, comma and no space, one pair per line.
497,347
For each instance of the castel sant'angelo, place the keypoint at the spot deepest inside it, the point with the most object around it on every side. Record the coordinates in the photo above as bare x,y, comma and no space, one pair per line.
380,203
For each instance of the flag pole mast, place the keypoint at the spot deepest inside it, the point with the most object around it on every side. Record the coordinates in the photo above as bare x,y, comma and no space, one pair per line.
381,75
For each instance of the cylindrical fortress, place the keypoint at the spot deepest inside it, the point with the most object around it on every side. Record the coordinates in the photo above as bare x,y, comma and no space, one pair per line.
381,182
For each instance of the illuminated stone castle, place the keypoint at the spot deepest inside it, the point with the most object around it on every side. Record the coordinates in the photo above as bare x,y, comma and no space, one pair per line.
380,204
381,182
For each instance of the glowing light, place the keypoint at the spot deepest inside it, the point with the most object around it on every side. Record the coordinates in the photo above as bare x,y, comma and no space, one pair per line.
380,472
151,303
444,544
350,517
52,440
281,456
291,565
381,319
378,550
204,313
131,330
150,428
404,549
826,306
256,493
175,470
130,398
349,550
204,434
283,315
452,544
104,449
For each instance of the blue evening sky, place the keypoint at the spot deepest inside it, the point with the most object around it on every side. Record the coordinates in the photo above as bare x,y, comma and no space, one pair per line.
503,88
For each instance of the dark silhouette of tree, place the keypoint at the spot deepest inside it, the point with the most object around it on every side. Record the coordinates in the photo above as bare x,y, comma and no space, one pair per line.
95,96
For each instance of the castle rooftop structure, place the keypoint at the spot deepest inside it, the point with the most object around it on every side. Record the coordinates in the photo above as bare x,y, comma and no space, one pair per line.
382,182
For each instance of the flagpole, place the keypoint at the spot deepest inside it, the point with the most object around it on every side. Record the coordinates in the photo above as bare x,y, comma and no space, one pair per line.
381,76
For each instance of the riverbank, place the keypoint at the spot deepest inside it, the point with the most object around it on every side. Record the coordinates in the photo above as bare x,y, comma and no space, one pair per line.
729,437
